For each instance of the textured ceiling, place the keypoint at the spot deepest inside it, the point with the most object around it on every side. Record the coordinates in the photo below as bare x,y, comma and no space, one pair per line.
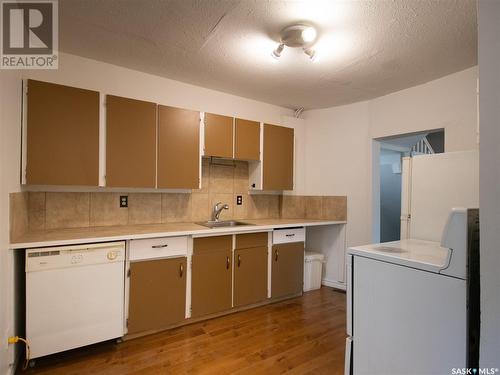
365,48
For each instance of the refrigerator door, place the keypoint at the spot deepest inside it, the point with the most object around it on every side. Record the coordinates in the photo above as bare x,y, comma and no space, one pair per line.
440,182
406,320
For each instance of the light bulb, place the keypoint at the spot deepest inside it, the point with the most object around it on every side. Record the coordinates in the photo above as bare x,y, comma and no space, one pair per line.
311,53
277,52
309,34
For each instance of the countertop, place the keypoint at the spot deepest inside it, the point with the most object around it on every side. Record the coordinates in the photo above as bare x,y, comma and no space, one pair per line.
128,232
420,254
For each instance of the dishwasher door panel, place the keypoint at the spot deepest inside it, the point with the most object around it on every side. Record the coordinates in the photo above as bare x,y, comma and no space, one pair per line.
74,306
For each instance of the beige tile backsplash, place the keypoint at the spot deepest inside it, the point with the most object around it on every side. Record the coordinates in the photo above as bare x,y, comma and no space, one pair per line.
314,207
67,210
19,213
38,211
105,210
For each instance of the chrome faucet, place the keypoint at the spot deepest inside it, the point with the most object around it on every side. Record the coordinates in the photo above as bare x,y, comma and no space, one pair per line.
217,210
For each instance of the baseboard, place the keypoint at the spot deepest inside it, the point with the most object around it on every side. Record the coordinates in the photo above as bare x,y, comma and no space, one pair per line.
333,284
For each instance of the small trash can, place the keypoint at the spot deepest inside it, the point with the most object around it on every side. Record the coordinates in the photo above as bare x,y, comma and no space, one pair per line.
313,267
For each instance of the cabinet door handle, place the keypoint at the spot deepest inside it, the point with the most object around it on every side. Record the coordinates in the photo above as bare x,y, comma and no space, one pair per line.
276,254
181,270
239,260
290,235
159,246
227,263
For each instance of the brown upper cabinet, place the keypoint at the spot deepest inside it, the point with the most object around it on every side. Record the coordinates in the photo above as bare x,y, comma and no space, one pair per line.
246,139
178,148
278,158
130,142
218,136
62,130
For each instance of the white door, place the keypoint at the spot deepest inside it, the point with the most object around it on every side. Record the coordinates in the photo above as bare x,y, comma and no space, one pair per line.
405,197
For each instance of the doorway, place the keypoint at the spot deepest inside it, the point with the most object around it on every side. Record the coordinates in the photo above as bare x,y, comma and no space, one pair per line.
388,173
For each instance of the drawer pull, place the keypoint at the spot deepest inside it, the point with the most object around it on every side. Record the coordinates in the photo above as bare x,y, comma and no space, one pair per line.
239,260
290,235
159,246
181,270
276,254
227,263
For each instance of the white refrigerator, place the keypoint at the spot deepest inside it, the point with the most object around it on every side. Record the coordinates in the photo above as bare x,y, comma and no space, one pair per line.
431,186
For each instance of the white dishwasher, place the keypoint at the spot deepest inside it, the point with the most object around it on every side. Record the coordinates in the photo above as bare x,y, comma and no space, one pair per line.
74,296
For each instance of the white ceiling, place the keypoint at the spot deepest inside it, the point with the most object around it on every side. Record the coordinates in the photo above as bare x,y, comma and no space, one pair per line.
365,48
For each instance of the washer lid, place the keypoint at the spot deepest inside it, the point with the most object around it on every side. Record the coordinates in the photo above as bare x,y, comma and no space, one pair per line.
425,255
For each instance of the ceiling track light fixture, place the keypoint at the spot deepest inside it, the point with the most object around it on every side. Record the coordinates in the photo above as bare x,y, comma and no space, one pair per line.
297,36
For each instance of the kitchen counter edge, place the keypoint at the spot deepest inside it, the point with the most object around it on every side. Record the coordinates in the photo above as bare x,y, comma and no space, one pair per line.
202,231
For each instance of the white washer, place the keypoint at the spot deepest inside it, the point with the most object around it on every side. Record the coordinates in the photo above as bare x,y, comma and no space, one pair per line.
411,304
74,296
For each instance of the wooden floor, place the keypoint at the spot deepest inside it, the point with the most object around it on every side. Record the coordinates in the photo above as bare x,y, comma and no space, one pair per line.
305,335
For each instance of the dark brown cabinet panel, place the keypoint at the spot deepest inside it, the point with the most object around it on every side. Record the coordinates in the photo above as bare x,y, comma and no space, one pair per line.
287,269
157,294
278,158
62,135
178,148
247,240
218,136
211,275
246,139
250,275
130,142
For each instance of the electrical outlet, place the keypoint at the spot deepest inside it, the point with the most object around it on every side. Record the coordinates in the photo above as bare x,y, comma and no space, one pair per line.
123,200
239,200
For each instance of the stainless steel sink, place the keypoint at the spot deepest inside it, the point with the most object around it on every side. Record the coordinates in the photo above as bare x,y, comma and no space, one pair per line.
222,223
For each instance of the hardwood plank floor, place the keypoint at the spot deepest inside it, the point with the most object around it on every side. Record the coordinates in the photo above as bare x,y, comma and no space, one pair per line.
304,335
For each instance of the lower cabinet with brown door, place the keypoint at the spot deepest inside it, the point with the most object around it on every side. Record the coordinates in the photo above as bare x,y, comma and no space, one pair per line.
250,269
211,275
157,294
287,268
157,280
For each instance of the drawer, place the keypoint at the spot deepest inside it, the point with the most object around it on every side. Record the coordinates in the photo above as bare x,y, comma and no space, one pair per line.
287,235
158,248
248,240
212,243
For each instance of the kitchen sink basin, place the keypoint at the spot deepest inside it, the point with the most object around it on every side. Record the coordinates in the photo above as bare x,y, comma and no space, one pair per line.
223,223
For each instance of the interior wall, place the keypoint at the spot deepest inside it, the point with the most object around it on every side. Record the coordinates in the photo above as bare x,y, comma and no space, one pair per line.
95,75
9,182
339,139
449,103
338,157
489,175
